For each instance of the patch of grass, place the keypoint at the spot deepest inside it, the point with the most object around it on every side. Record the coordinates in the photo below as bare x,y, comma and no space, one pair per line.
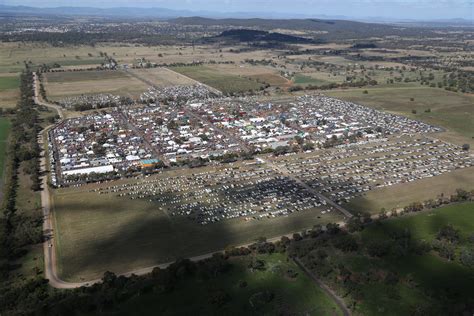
306,80
290,296
67,84
271,79
28,201
420,282
424,226
429,272
400,195
74,76
227,83
5,126
9,82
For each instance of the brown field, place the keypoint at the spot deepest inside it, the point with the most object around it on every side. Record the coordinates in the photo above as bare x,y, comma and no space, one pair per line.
163,77
272,79
265,74
66,84
127,53
9,98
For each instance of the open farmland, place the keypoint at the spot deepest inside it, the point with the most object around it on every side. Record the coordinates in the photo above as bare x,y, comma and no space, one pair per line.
262,74
13,55
68,84
162,77
9,82
9,92
453,111
225,82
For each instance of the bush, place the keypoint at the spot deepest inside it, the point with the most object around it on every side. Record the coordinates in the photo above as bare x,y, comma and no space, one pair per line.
378,248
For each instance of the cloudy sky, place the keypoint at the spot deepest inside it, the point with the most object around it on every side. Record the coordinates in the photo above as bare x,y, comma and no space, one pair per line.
413,9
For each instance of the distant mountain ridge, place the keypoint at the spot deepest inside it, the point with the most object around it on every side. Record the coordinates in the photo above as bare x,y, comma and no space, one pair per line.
324,29
245,35
165,13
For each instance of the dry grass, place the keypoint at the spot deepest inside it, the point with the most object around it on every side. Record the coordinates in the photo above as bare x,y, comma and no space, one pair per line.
163,77
67,84
401,195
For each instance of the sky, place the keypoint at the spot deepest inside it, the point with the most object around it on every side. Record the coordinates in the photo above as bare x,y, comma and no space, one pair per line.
397,9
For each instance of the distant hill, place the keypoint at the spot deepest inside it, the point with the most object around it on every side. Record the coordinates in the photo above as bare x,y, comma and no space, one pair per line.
328,29
118,12
245,35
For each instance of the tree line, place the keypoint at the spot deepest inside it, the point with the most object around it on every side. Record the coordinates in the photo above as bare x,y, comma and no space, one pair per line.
18,229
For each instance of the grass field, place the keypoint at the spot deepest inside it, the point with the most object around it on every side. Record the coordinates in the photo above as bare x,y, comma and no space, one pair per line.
272,79
5,126
9,92
307,79
453,111
9,82
430,272
95,233
225,82
163,77
66,84
400,195
299,296
405,280
13,55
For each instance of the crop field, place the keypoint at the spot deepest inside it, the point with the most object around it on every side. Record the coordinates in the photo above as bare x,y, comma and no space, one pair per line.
13,55
120,234
66,84
401,195
272,79
263,74
9,92
162,77
225,82
299,295
9,82
453,111
221,80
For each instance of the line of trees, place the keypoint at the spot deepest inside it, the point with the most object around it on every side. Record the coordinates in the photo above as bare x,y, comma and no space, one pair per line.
17,229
